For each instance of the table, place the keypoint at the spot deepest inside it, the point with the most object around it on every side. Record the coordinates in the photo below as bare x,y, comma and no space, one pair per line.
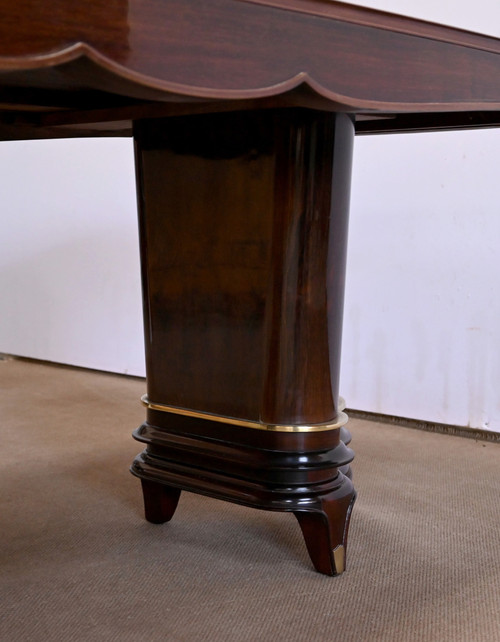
243,114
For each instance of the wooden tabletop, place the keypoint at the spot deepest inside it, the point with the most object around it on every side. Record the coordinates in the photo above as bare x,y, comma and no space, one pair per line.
72,68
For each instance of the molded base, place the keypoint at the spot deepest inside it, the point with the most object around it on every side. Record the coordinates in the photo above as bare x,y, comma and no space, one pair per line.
309,484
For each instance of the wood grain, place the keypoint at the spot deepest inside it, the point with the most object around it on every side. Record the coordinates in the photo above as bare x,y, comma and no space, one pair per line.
355,60
243,238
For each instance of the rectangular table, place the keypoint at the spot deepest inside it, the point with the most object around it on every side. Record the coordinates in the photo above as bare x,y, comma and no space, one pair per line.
243,114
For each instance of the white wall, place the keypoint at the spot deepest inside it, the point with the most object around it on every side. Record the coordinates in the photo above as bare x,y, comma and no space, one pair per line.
69,265
481,16
422,313
422,321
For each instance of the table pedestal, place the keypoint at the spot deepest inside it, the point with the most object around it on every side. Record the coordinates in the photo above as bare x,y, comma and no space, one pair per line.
243,222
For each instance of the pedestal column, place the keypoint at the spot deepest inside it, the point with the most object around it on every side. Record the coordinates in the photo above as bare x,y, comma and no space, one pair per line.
243,221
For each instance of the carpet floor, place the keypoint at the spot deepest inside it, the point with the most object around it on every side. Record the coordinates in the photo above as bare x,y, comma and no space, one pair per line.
79,562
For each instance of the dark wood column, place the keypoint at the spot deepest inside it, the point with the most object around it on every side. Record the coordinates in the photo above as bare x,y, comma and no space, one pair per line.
243,220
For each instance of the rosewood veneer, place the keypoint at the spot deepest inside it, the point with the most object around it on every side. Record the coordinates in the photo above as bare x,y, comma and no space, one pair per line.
243,114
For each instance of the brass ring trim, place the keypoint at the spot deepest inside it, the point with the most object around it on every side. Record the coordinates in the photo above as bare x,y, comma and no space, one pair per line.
342,419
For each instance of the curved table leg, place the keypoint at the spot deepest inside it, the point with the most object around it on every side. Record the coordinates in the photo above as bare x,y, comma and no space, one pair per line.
325,528
160,501
243,223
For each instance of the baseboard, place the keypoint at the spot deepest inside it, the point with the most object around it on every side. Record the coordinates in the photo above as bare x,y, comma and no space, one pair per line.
429,426
56,364
415,424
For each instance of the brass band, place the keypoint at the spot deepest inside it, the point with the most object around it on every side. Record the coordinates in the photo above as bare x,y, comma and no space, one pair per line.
341,419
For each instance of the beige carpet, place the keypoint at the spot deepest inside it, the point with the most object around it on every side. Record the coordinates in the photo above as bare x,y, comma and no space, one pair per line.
78,562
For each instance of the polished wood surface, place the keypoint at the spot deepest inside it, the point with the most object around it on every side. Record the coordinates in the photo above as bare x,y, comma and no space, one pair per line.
207,247
291,473
244,248
160,501
243,220
93,68
243,114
